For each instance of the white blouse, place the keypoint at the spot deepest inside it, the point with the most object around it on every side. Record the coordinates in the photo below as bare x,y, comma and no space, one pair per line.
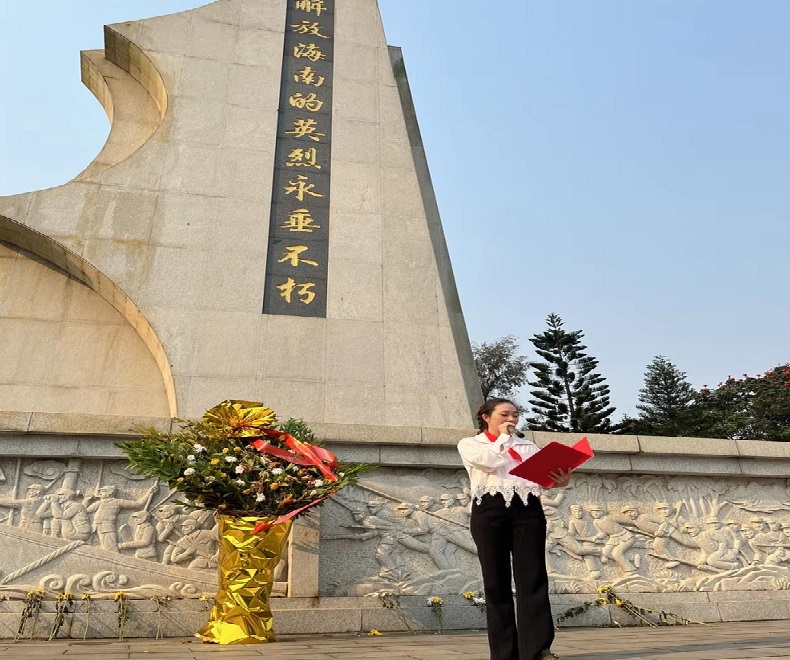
488,464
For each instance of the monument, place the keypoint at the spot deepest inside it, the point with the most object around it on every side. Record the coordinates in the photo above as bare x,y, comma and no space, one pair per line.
261,225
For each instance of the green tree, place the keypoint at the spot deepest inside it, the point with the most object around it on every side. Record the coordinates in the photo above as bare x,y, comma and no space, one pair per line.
500,368
748,408
665,401
569,395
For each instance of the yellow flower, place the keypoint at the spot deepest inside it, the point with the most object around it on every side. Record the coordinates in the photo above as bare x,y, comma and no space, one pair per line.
468,595
618,602
215,461
118,595
180,480
225,450
374,633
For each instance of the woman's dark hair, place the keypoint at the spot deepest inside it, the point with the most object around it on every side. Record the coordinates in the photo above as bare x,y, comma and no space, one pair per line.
486,409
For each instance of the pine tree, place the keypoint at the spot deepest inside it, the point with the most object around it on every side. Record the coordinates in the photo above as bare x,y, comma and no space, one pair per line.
664,401
500,368
569,395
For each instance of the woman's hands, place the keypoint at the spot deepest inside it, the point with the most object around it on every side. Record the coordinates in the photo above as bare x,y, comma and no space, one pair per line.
561,478
504,429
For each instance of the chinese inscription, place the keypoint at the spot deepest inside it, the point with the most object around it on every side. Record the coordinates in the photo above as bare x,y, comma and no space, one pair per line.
296,270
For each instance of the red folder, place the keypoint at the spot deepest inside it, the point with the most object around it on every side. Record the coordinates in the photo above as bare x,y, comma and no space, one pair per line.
552,457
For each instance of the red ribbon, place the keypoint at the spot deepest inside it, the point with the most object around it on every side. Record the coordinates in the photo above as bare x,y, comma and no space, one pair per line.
302,453
263,526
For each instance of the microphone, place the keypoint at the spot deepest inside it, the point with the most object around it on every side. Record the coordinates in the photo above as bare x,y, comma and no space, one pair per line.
512,430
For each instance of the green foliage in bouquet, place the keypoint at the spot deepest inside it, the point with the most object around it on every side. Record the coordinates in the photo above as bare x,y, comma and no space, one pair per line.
215,464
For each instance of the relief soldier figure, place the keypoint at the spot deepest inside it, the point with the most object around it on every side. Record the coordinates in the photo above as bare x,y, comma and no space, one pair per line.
718,550
616,538
168,519
144,541
28,507
196,546
105,512
69,518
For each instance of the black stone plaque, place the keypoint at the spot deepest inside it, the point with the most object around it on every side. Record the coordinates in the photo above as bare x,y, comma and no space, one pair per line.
298,245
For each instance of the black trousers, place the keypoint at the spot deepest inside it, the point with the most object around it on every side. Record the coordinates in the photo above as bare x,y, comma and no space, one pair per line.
518,530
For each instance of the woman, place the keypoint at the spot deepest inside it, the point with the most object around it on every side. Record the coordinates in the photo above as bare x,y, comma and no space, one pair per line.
507,519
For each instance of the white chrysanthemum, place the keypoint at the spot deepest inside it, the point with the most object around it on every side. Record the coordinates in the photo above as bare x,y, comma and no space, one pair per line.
191,459
210,480
277,471
260,497
198,448
240,482
318,483
239,469
189,472
231,459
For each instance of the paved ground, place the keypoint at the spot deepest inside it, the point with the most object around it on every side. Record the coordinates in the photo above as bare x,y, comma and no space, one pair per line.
734,641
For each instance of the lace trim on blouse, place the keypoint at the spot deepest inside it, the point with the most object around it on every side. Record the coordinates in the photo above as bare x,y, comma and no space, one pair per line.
507,489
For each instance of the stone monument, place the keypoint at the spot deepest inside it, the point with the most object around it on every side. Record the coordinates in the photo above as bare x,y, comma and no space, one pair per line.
261,225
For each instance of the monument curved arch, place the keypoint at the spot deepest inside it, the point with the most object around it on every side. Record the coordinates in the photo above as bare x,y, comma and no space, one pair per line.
132,92
61,257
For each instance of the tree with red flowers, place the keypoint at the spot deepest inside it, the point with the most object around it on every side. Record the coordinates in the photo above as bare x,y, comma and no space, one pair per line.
747,408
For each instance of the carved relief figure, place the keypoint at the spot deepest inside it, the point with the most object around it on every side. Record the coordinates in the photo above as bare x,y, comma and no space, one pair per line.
437,544
561,540
197,546
717,548
28,508
105,513
168,519
69,518
616,538
373,523
144,541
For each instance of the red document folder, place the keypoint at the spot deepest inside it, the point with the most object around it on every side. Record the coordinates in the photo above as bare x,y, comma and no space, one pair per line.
552,457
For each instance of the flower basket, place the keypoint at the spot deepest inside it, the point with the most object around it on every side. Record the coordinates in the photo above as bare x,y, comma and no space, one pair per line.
257,477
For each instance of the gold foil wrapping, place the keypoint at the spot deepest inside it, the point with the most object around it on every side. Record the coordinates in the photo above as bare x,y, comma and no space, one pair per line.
241,612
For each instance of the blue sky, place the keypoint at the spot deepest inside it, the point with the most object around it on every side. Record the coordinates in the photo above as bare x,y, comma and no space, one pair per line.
623,164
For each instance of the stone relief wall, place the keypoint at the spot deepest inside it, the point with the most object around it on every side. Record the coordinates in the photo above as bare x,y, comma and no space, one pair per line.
83,526
407,531
90,526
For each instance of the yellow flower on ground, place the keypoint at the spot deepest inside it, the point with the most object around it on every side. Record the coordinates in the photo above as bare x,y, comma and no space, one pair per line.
374,633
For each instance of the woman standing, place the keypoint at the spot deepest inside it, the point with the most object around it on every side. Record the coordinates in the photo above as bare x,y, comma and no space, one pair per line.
507,519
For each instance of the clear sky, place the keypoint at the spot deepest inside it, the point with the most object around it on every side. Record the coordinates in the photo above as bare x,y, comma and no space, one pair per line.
623,164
